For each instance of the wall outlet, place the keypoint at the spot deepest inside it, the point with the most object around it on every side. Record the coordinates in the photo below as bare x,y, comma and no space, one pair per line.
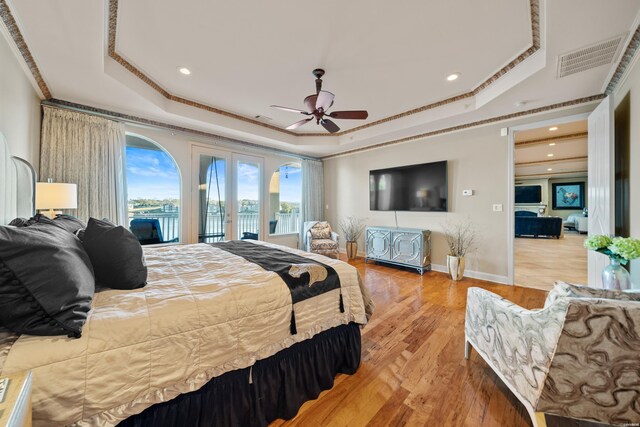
497,207
467,192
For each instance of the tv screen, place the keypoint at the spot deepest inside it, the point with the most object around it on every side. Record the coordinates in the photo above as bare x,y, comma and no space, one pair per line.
409,188
528,194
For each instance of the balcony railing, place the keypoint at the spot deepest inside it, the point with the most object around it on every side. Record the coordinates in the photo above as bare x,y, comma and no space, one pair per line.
247,222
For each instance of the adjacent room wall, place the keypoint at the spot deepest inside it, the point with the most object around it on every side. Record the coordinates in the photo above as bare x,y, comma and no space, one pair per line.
19,107
478,160
631,86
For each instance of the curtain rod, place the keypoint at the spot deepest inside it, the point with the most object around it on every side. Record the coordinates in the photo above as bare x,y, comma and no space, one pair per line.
156,125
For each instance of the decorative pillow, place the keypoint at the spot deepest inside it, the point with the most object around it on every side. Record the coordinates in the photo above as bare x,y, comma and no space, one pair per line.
69,223
321,230
46,281
116,255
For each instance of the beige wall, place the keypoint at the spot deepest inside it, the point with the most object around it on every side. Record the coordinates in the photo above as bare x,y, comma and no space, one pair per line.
19,107
631,85
478,160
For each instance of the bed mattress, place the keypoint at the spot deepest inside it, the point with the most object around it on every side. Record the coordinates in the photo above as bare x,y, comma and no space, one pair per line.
204,312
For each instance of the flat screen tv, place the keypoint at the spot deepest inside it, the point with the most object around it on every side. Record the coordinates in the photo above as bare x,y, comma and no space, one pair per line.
409,188
528,194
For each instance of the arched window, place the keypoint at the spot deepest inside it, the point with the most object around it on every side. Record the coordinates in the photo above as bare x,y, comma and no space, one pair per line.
285,195
153,191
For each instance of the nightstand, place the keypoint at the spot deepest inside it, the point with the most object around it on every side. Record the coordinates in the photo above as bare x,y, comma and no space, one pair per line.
15,406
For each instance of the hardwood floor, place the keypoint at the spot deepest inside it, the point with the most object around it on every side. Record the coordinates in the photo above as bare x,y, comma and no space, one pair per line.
413,370
540,262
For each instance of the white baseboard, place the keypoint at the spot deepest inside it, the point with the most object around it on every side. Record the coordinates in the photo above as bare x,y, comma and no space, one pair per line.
503,280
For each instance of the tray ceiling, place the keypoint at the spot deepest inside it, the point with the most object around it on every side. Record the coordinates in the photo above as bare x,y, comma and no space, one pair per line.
386,57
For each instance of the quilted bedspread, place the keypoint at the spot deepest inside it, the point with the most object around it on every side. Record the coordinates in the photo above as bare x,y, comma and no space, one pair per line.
203,312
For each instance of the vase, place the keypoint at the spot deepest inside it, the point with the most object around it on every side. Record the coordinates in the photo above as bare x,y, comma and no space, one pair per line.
352,249
455,265
615,276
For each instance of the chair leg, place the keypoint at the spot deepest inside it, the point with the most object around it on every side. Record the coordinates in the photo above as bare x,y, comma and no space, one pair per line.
467,349
538,419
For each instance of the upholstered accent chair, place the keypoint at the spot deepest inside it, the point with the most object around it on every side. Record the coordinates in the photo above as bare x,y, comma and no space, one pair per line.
578,357
319,238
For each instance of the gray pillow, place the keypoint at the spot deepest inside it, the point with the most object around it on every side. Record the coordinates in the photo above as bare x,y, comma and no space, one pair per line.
46,281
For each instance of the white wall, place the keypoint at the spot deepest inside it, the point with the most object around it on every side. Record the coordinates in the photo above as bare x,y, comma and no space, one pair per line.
179,146
477,160
631,85
19,107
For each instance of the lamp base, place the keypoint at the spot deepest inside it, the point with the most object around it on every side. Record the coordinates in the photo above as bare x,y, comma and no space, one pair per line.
50,213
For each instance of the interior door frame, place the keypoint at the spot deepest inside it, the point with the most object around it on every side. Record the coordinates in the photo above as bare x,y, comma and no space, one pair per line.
511,182
196,152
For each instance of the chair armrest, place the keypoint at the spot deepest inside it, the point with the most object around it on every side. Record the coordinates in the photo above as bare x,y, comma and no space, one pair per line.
516,342
569,290
307,241
335,237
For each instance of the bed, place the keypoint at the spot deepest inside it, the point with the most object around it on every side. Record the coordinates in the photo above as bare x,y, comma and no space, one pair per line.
208,340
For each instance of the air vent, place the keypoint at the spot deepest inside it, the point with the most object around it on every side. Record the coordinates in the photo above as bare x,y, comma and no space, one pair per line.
589,57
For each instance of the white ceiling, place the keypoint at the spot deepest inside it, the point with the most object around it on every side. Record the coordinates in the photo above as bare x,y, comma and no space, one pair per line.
386,57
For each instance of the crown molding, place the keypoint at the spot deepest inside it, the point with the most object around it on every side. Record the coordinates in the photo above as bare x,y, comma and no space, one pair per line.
625,61
553,161
15,33
465,126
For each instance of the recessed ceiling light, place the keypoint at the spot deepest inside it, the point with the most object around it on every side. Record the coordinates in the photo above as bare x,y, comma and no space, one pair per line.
452,77
552,128
550,155
551,144
549,169
184,70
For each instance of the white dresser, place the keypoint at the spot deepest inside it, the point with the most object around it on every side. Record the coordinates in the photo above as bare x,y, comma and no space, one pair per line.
409,247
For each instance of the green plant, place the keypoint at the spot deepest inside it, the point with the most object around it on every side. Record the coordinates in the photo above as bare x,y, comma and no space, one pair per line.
623,249
461,237
352,228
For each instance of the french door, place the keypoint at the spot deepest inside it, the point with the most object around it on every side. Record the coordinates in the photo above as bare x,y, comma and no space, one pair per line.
226,195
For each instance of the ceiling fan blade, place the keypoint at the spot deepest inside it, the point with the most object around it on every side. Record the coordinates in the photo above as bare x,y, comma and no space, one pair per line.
325,100
310,102
329,125
291,110
353,114
298,124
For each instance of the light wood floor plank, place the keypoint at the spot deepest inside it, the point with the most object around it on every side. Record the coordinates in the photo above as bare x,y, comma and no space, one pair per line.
413,371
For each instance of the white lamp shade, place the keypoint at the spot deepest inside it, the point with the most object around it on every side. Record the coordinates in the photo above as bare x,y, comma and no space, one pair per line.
56,195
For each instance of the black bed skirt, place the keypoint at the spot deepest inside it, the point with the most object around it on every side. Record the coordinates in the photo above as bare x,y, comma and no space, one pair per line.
280,385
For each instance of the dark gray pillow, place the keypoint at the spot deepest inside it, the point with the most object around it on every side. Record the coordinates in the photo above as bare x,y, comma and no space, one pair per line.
116,255
69,223
46,281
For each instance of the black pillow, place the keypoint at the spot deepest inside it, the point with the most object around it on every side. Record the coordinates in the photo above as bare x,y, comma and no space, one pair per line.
116,255
46,281
69,223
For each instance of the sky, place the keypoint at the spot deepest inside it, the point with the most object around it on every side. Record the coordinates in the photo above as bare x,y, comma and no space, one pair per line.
152,174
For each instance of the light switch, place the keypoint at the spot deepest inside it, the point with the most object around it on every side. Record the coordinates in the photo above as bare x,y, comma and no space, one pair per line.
497,207
467,192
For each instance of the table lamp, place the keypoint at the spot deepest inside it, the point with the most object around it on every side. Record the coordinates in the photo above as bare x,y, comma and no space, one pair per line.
55,195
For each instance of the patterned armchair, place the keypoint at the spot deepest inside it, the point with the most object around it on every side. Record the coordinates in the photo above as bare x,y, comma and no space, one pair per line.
578,357
320,239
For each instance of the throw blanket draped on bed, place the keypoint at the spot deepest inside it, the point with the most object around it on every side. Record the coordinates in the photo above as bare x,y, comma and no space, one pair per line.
305,278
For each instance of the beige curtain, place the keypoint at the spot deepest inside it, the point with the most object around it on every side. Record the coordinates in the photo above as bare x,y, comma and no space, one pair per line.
90,152
312,206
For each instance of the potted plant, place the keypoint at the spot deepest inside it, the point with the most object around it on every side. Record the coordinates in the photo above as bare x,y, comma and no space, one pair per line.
620,251
352,228
460,239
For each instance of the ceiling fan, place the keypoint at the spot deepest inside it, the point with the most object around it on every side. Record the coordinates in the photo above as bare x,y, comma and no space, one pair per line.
318,105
